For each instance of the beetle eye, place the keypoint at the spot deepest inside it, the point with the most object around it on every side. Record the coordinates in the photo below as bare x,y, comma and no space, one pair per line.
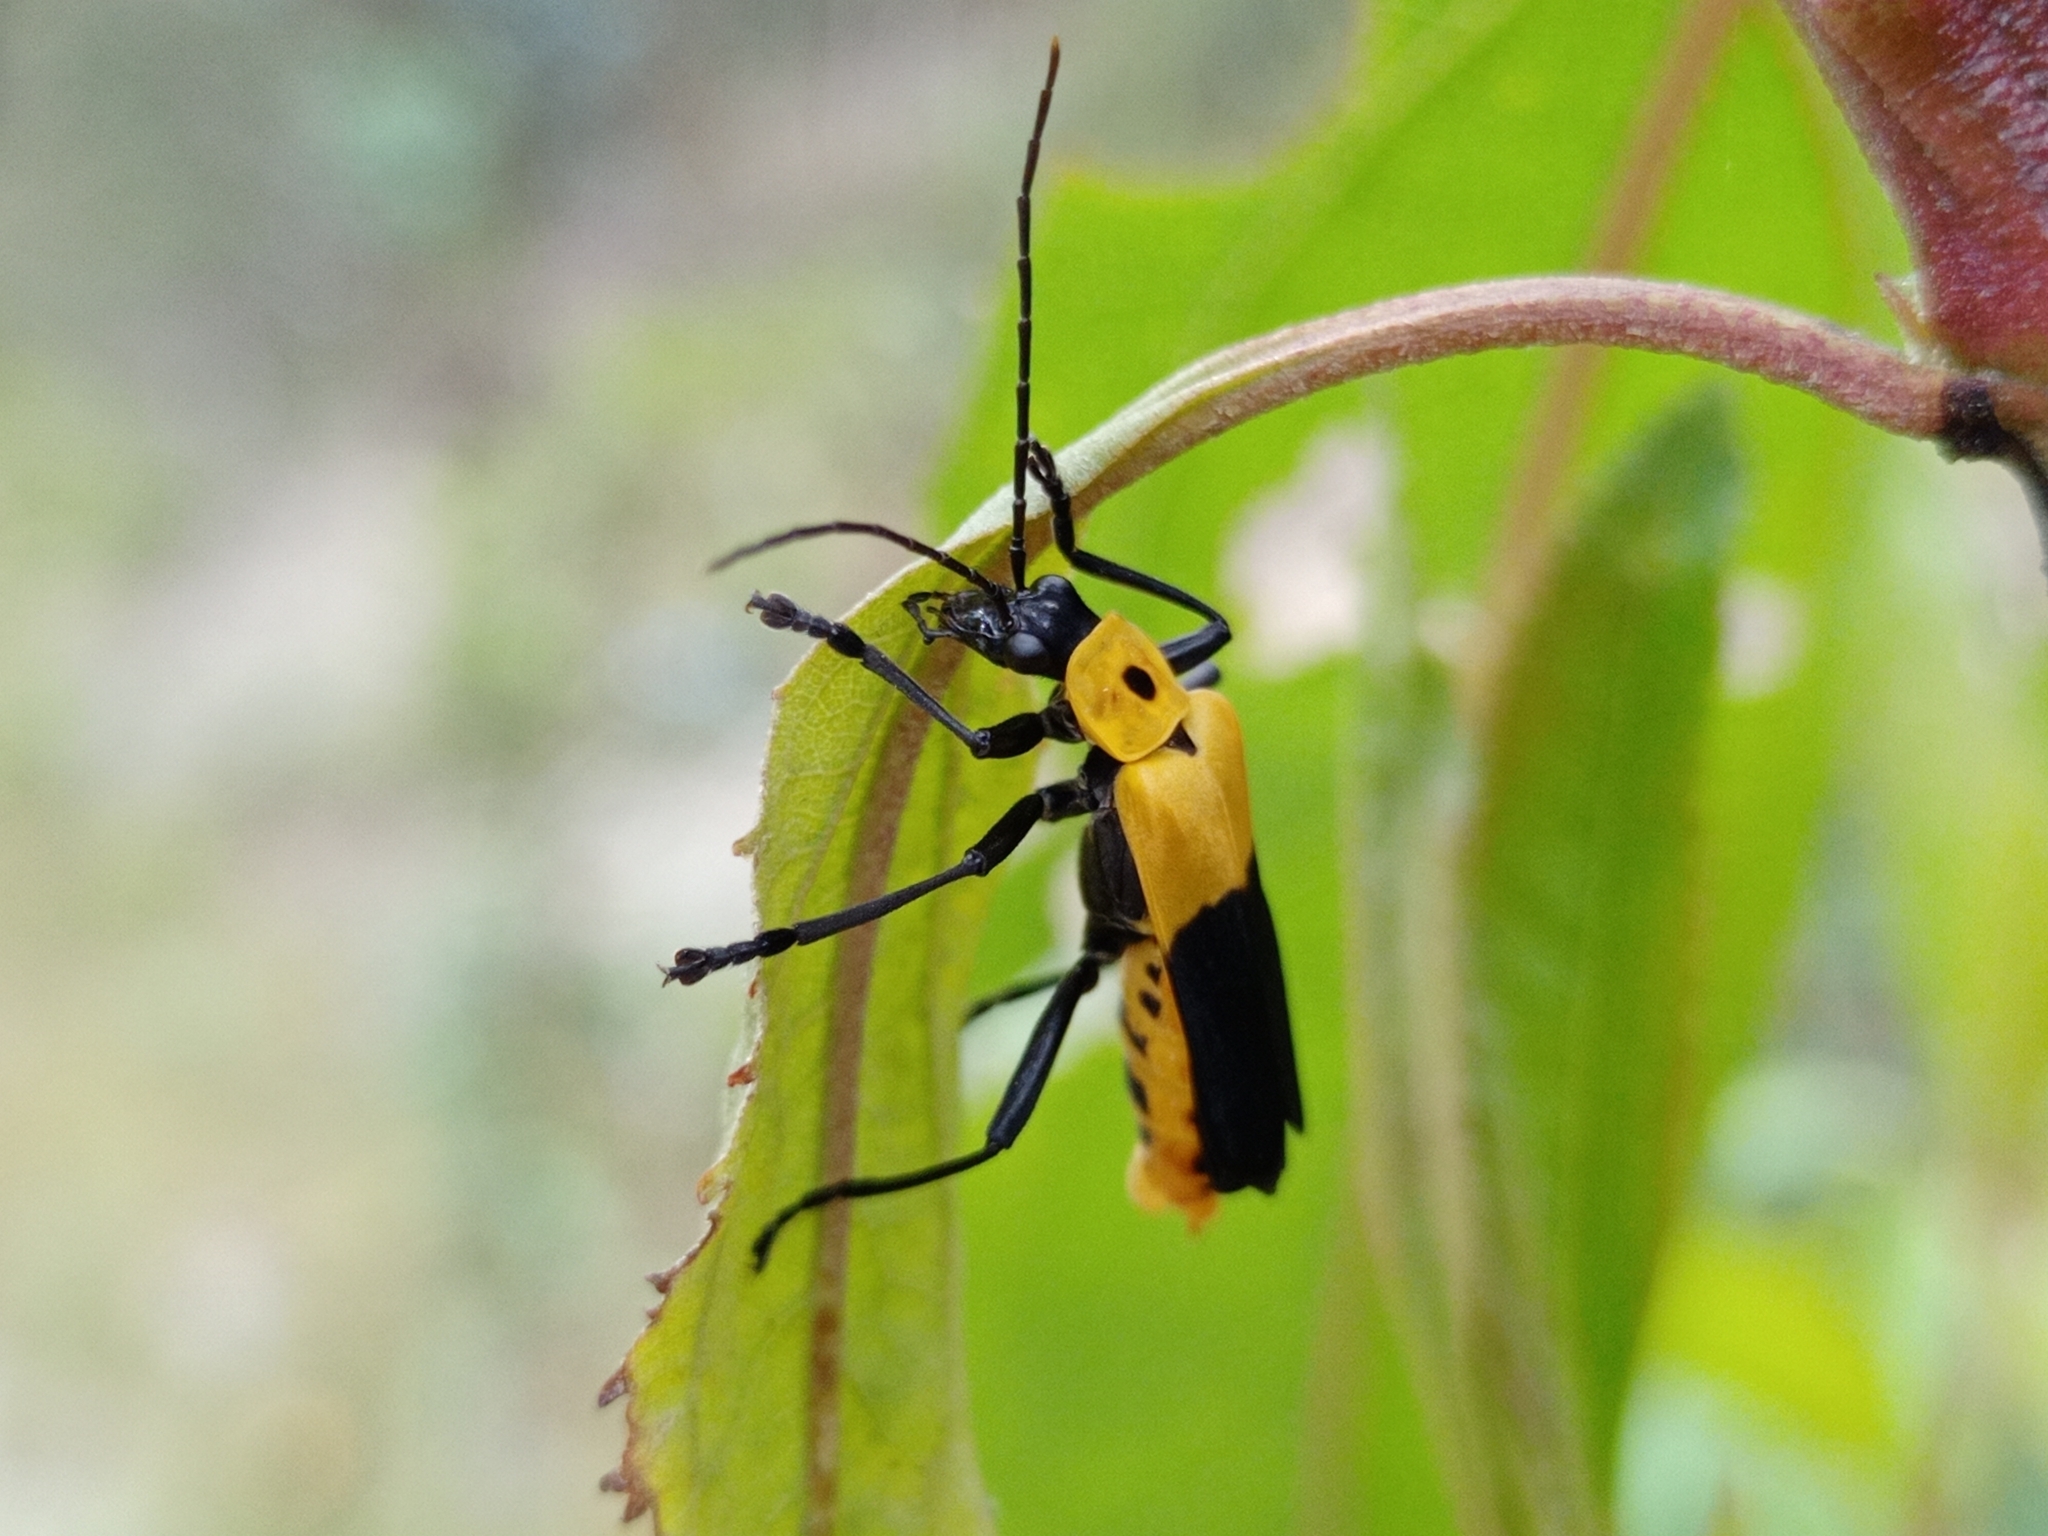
1025,648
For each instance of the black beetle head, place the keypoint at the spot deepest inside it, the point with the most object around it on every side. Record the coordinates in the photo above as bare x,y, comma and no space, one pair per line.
1033,631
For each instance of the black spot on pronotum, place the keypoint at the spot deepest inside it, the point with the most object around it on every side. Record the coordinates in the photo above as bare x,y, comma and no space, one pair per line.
1150,1002
1137,1092
1152,970
1139,681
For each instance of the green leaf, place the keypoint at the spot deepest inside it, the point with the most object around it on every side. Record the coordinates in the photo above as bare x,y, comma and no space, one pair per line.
817,1383
1583,889
1524,1082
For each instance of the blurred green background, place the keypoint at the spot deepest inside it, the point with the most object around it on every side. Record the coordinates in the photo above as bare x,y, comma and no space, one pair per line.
375,382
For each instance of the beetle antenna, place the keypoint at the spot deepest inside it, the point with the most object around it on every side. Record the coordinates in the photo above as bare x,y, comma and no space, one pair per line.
1018,477
939,557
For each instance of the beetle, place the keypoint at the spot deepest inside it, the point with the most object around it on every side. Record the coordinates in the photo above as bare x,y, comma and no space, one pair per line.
1169,877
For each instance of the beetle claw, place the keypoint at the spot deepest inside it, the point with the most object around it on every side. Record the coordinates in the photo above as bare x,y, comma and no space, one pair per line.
691,966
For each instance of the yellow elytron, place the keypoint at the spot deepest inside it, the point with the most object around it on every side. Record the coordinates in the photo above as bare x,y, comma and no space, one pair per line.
1168,873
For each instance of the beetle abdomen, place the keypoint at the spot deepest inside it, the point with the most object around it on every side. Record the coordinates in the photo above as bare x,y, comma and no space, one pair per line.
1166,1164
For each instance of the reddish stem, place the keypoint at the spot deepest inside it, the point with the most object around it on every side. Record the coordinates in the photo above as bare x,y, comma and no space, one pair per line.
1847,370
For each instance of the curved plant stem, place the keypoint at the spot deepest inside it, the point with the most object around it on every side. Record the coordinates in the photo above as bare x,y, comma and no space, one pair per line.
1851,372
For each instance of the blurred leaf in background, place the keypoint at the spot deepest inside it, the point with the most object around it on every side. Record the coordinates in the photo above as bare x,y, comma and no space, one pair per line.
1525,1125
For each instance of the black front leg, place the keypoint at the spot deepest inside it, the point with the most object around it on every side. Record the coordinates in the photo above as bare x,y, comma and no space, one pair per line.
1006,738
1185,652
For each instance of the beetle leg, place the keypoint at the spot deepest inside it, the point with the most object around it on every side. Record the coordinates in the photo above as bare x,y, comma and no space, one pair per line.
1055,802
1009,994
1006,738
1019,1099
1185,651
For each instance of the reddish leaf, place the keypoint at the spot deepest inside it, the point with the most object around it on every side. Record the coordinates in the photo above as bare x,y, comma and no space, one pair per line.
1949,99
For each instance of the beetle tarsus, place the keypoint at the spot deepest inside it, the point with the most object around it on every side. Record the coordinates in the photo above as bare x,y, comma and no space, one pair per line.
780,612
693,965
776,611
